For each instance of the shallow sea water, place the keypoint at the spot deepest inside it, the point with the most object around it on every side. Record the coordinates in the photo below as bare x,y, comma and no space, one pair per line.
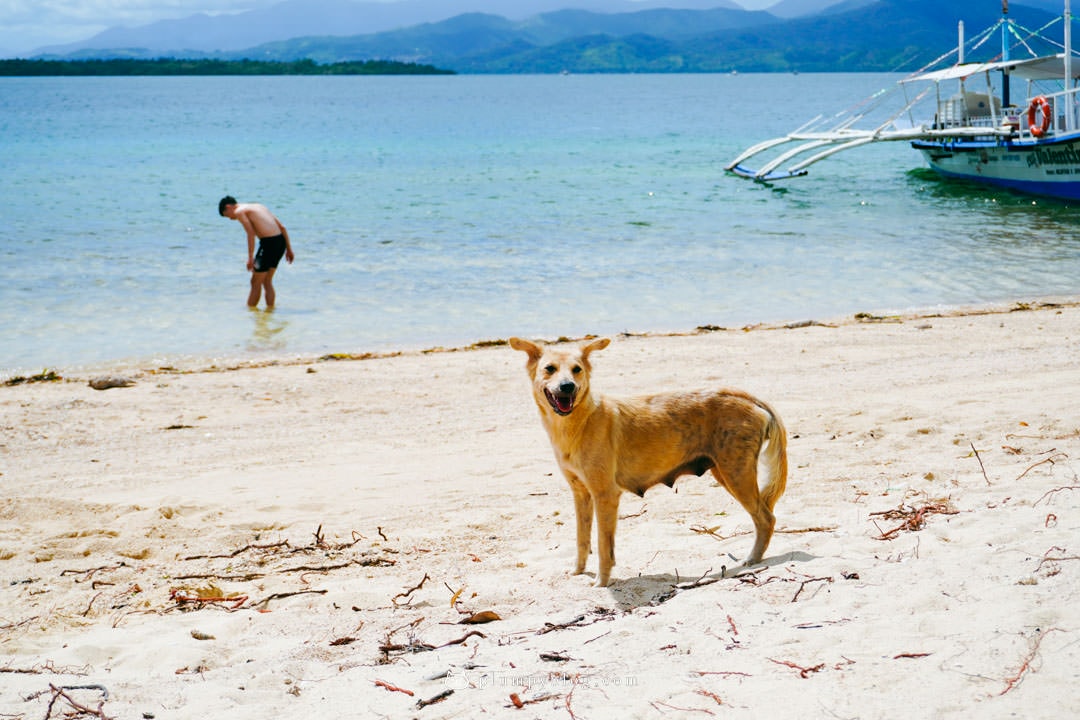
433,211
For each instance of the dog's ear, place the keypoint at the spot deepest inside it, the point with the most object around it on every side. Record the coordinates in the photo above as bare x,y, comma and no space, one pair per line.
599,344
528,347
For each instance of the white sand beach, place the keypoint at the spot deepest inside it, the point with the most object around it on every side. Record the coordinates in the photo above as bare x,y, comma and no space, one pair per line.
308,538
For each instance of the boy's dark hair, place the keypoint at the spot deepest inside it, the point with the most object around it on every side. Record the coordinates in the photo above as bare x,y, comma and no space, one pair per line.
223,203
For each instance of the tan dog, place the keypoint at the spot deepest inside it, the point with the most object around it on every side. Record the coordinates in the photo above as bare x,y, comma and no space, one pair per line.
605,445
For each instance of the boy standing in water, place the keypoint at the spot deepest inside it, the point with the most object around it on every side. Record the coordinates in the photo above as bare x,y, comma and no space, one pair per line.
259,222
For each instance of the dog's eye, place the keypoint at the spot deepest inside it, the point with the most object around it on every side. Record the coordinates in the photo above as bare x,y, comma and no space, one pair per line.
576,370
550,369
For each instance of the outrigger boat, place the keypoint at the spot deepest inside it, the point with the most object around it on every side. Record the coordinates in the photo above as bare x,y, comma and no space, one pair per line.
978,136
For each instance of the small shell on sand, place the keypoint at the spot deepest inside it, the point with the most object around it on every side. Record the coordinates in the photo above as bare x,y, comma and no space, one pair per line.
110,381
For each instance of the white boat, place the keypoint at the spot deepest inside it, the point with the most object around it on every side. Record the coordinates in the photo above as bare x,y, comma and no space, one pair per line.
964,126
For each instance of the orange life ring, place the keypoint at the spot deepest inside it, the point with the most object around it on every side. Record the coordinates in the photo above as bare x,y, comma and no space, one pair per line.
1039,104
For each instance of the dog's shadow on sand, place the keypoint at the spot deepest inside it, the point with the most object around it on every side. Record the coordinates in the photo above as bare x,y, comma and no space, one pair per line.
653,590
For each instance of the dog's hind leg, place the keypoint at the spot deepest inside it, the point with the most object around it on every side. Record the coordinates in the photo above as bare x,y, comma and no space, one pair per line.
583,506
741,481
764,499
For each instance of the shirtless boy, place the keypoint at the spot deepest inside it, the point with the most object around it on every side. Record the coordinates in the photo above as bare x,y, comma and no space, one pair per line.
259,222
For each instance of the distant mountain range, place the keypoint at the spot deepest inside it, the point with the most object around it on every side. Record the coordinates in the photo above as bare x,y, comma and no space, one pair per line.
300,18
595,36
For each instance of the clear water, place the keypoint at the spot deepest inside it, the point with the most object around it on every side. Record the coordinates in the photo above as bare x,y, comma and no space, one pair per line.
430,211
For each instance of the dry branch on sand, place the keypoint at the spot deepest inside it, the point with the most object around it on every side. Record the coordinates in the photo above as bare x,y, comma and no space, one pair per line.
913,518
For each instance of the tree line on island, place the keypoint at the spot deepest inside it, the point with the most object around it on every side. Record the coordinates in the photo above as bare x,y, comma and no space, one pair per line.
175,66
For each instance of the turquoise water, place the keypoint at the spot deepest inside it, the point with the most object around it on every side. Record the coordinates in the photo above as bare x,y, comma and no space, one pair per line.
441,211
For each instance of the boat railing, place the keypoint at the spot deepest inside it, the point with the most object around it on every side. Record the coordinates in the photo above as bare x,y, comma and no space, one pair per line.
970,111
945,121
1061,103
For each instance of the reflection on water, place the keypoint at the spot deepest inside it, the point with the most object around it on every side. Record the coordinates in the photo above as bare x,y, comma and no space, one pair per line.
267,331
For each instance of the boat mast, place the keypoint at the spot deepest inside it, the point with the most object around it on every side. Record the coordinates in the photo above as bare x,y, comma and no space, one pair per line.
1070,116
1005,52
959,61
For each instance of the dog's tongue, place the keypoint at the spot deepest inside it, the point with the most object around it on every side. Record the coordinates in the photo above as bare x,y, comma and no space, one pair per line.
561,403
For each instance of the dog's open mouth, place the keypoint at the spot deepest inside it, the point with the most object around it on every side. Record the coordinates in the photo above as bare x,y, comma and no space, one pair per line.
561,403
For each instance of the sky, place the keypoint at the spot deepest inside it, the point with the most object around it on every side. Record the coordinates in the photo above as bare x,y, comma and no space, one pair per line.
26,25
29,24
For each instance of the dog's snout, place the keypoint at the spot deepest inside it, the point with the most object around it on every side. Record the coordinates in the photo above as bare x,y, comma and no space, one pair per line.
567,387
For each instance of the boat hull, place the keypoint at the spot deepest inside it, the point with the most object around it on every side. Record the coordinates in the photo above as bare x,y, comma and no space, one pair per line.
1050,168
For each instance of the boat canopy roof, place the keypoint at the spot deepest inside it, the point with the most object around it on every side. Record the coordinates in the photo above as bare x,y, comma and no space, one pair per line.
1047,67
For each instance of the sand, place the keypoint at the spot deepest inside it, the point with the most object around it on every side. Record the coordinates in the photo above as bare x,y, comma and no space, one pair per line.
307,538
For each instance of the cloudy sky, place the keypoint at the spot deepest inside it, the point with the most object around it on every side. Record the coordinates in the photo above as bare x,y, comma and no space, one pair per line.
26,25
29,24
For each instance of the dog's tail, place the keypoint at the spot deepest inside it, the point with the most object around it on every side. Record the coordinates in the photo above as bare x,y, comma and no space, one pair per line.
775,457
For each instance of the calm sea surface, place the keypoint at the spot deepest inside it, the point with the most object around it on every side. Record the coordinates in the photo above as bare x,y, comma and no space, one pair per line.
431,211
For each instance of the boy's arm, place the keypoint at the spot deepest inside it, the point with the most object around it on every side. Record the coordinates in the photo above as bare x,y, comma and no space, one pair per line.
289,255
250,229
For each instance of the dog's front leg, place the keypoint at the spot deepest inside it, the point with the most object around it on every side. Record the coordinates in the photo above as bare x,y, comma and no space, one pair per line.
583,506
607,515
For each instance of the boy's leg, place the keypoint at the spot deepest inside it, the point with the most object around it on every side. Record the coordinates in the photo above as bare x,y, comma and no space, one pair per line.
268,285
257,281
